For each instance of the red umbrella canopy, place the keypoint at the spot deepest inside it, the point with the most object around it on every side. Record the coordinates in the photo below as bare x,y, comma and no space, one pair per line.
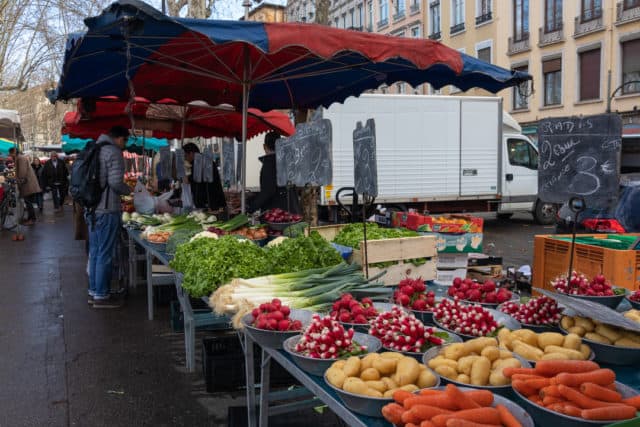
166,119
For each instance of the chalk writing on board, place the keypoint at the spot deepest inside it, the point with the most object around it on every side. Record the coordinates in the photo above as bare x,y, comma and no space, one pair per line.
365,167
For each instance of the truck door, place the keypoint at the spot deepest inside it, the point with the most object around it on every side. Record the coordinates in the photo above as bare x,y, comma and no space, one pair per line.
520,175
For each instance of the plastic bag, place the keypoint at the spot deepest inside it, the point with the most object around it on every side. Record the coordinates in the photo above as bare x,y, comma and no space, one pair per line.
187,198
162,203
142,200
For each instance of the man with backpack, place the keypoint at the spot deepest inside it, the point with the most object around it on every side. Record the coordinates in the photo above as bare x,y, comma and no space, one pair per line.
103,217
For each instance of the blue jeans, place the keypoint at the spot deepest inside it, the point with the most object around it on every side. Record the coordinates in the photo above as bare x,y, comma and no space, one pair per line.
103,236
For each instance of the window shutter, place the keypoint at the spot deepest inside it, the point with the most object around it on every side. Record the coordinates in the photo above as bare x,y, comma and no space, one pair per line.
631,56
552,65
590,74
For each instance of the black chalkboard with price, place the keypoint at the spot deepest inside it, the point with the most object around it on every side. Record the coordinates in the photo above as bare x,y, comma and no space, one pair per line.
579,156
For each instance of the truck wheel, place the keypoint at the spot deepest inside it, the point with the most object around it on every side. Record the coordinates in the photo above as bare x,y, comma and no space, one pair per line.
504,216
545,213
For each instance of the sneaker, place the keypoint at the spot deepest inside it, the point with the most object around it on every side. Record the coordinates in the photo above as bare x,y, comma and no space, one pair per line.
110,302
90,300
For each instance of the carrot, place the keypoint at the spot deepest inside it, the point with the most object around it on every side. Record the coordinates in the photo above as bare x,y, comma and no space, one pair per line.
581,400
393,413
411,425
408,417
550,368
463,401
633,401
611,386
509,372
424,412
538,384
439,400
535,399
427,423
481,397
401,395
429,392
596,391
506,417
526,377
548,400
456,422
620,412
556,407
523,388
599,376
551,390
572,410
479,415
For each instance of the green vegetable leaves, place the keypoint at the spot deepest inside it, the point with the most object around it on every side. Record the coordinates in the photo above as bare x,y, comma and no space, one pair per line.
352,234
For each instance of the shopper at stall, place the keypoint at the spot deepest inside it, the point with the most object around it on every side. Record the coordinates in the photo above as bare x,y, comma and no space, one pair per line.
271,196
27,183
105,224
37,169
55,176
206,195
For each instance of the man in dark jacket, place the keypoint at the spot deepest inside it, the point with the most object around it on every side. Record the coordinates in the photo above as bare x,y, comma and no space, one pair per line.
271,196
206,195
55,176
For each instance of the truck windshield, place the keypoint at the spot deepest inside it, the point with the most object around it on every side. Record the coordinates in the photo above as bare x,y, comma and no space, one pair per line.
522,153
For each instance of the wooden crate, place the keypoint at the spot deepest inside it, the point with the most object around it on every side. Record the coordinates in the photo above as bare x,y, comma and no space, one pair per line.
551,259
328,232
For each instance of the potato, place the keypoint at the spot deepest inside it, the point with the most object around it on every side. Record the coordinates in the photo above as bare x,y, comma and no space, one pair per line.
567,322
462,378
395,378
435,362
391,355
339,364
384,365
480,371
609,332
505,354
352,367
626,342
497,378
550,338
572,342
389,383
407,371
336,376
370,374
464,364
422,366
527,336
504,337
585,350
511,362
446,371
593,336
389,393
410,388
578,330
377,385
477,344
426,379
354,385
367,361
555,356
455,351
372,392
633,315
632,336
571,353
585,323
527,351
491,353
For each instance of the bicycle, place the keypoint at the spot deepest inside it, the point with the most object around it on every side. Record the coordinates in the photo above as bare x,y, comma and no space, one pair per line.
8,206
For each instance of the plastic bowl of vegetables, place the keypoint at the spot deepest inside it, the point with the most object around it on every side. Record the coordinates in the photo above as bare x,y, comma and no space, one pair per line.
272,323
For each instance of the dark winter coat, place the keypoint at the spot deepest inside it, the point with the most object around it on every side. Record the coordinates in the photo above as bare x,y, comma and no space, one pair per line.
58,174
208,195
271,196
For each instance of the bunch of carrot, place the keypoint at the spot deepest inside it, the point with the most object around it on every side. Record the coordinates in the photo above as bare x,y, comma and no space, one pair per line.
450,407
577,388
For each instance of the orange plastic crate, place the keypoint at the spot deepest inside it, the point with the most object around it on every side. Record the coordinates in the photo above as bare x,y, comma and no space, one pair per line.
551,259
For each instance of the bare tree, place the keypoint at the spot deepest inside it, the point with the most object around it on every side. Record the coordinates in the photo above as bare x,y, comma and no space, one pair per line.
195,8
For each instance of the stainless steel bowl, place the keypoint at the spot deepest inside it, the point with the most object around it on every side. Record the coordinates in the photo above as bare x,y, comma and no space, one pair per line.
274,339
535,328
426,317
364,327
453,338
319,366
499,389
503,319
546,417
612,354
611,301
365,405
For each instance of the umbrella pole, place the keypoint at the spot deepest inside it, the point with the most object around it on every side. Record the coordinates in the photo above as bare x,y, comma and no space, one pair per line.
245,112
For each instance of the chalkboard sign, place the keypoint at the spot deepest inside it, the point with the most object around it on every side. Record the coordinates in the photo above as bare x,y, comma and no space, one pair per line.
228,166
365,167
579,156
305,157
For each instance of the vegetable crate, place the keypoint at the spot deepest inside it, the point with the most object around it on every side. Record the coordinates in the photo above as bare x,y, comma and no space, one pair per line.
551,259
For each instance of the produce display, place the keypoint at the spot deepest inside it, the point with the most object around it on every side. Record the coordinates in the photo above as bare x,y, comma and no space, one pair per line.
277,216
400,331
634,296
251,233
574,388
578,284
633,314
471,290
411,293
158,236
544,346
465,319
273,316
380,375
593,330
326,338
349,310
478,362
302,253
450,407
537,311
352,234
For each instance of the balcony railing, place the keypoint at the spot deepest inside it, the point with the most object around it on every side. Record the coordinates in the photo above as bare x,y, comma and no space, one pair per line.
398,16
414,8
583,27
355,28
457,28
546,38
483,18
626,15
435,36
383,23
518,45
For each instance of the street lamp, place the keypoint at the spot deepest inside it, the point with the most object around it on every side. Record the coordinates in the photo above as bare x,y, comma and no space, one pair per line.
616,91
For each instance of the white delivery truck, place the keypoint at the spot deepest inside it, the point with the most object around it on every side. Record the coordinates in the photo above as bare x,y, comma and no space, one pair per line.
439,154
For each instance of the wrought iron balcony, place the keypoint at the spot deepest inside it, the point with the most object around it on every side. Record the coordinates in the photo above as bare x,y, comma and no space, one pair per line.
545,38
383,23
483,18
457,28
414,8
398,16
435,36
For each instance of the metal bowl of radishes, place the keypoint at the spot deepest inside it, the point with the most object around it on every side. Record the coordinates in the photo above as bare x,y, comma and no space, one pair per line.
541,314
487,294
272,323
278,219
356,314
324,341
471,321
634,299
598,289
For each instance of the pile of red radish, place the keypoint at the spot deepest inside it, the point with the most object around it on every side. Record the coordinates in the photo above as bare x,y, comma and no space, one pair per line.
279,216
537,311
326,338
273,316
349,310
635,296
470,290
400,331
465,319
578,284
411,294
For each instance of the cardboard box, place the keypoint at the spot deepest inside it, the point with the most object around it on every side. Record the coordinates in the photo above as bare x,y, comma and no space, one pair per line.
445,276
453,260
457,243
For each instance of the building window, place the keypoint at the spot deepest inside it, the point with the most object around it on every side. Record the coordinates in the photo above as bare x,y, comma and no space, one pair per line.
483,12
337,23
630,4
399,7
553,16
520,102
521,153
484,54
384,12
359,16
415,5
434,19
344,20
415,32
631,65
589,74
520,20
590,10
400,87
370,11
351,22
457,12
552,72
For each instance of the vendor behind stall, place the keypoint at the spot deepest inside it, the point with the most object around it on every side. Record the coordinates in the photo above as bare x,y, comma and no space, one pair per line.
271,196
206,195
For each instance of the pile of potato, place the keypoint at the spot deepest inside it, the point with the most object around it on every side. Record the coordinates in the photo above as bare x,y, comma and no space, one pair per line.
544,346
477,362
593,330
380,374
633,314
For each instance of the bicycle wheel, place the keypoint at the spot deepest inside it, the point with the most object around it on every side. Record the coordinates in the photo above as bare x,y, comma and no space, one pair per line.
7,217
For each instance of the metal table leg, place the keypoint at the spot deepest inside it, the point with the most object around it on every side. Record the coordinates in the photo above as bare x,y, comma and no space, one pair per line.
149,259
189,324
251,387
265,385
132,255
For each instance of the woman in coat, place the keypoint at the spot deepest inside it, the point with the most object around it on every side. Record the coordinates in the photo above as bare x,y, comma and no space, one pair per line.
27,184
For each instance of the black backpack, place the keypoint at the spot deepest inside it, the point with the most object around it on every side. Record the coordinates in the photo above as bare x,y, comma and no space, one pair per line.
85,186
